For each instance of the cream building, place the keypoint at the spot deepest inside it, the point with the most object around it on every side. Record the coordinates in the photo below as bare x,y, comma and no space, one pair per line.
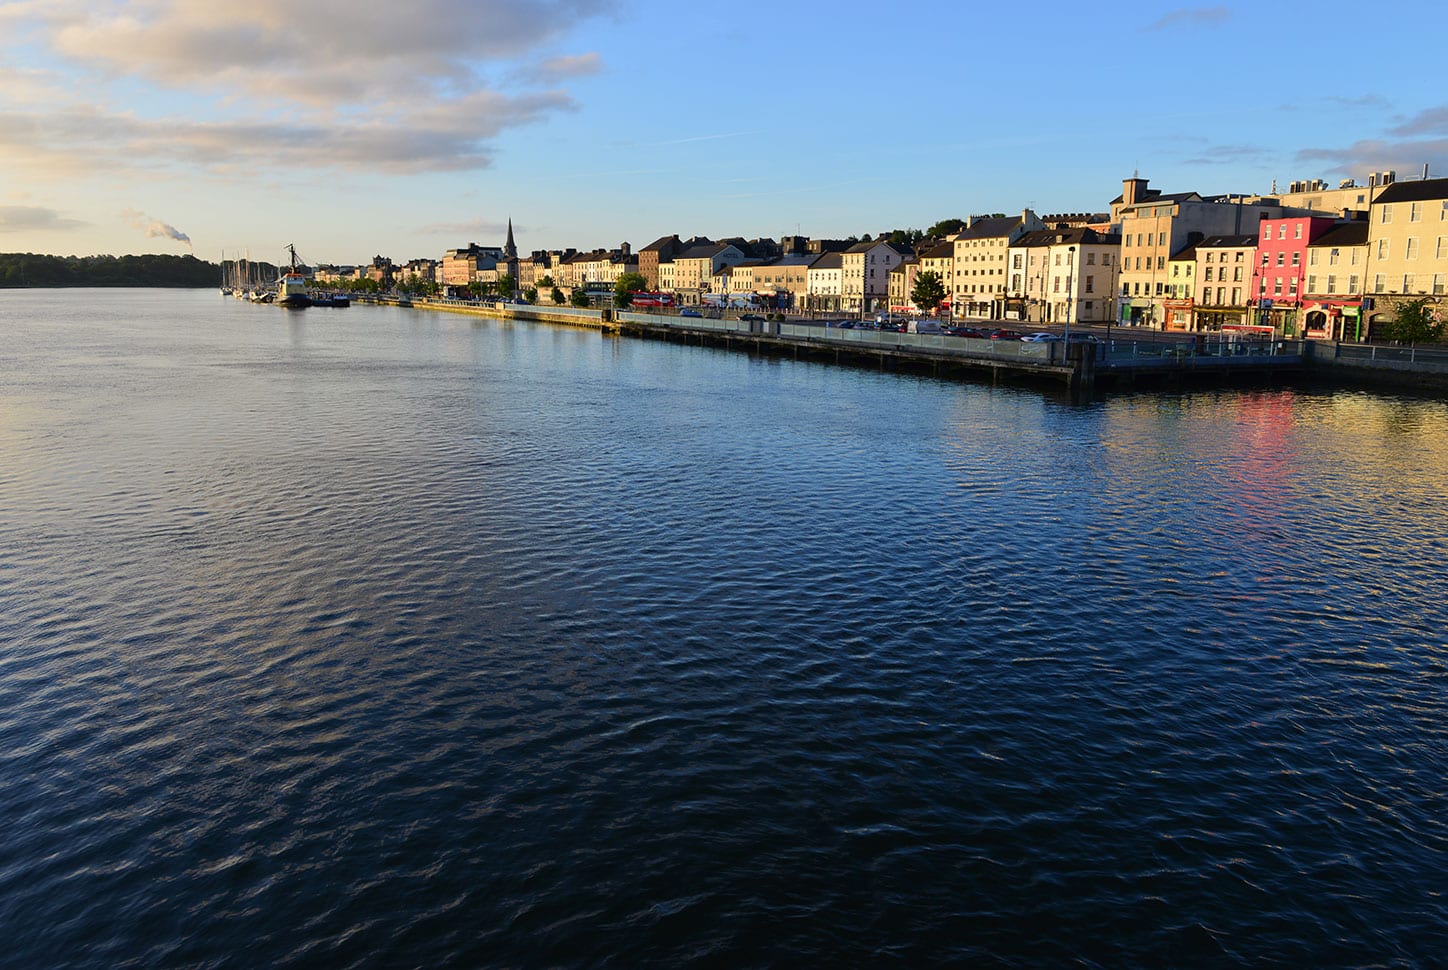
1061,276
1337,263
825,282
865,272
1222,285
979,280
1408,244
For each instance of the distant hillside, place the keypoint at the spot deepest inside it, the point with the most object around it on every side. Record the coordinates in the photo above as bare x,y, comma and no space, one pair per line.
29,269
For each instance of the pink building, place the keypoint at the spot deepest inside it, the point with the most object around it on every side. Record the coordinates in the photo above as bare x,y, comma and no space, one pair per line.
1280,271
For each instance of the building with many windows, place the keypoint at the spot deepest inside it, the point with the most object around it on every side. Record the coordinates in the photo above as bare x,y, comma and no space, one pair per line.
1222,287
1154,226
1408,244
979,281
1063,275
1337,263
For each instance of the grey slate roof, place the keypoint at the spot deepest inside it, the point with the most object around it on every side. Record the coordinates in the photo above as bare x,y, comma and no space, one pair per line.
1228,242
1421,190
829,261
1353,233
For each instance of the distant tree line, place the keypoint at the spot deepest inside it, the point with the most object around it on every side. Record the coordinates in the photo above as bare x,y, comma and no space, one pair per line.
30,269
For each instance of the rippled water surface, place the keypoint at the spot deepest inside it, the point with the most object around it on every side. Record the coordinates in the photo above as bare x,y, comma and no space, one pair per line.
378,637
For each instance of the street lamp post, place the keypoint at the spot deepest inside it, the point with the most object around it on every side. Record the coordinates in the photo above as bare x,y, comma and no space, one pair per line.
1070,295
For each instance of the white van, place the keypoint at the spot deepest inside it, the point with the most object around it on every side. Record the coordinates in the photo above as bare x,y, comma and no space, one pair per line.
923,326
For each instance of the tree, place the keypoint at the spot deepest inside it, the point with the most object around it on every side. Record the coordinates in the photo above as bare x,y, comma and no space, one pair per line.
557,296
928,291
945,227
506,285
626,286
546,283
531,294
1415,321
579,297
906,237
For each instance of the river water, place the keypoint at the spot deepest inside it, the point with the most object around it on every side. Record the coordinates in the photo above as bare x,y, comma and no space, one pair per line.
382,637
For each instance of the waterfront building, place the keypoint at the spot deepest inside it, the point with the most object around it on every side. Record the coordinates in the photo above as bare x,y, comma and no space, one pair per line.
1182,276
779,282
1223,282
694,268
825,282
1155,225
1061,275
1280,269
461,266
939,258
1407,244
978,286
1337,263
902,284
865,269
663,249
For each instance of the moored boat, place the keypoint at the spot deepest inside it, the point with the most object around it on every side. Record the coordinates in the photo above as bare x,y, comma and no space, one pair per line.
292,287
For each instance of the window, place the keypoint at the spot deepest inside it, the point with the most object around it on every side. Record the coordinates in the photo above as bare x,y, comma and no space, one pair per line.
1161,262
1236,295
1237,257
1331,284
1206,294
1292,286
1415,212
1090,259
1438,284
1412,247
1382,249
1332,256
1236,274
1380,283
1281,258
1297,231
1221,272
1265,258
1312,284
1056,284
1441,248
1407,282
1387,215
1296,259
1312,257
1090,284
1352,286
1277,287
1158,289
1282,231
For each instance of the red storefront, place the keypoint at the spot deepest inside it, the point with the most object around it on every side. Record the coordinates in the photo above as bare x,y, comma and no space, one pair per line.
1279,272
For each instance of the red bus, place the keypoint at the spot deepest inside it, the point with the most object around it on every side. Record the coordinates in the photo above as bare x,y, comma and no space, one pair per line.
642,299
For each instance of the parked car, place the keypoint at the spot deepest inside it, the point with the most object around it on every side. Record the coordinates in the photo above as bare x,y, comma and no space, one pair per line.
1040,338
967,332
751,318
690,313
1082,338
1005,335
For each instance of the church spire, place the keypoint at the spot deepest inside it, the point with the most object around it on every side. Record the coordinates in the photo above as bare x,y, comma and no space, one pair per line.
510,249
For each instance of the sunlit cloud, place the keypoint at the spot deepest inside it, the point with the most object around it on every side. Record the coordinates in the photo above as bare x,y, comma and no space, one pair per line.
345,86
30,218
558,69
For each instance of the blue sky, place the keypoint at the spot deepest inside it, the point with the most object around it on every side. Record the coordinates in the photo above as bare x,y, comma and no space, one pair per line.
356,129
